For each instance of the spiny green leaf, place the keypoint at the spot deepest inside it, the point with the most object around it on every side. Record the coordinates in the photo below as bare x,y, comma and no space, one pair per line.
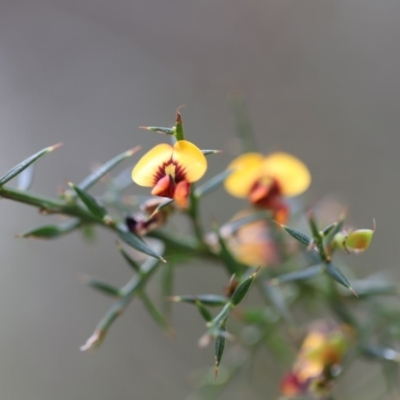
156,314
94,177
52,231
226,256
206,299
163,204
131,262
299,236
328,229
242,289
219,347
159,129
102,286
137,243
203,311
212,184
26,163
304,274
337,228
90,202
338,276
318,238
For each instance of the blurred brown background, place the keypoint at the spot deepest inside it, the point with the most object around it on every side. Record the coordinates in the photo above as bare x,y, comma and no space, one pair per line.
321,79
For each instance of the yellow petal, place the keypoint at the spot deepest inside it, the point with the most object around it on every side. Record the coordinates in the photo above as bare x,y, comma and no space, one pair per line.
144,171
293,176
190,158
247,170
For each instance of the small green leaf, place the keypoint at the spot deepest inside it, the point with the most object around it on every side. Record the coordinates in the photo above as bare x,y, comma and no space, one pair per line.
212,184
102,287
219,347
156,314
163,204
90,202
52,231
226,256
336,229
299,236
131,262
203,311
338,276
159,129
137,243
206,299
128,292
318,238
26,163
328,229
304,274
242,289
94,177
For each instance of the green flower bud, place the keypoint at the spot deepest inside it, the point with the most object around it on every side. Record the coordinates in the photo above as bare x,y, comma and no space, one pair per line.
359,240
354,242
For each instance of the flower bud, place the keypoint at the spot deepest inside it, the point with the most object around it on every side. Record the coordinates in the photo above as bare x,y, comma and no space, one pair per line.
354,242
359,240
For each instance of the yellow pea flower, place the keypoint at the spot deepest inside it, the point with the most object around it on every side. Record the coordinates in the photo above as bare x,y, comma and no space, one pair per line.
170,170
265,180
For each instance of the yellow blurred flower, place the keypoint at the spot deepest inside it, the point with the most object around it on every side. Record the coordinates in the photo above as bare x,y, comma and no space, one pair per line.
170,170
265,180
320,355
252,243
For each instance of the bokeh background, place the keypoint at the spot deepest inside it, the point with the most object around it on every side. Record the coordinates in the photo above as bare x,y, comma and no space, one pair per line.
321,80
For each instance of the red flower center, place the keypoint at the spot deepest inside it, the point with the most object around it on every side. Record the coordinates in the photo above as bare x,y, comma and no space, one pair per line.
170,181
267,193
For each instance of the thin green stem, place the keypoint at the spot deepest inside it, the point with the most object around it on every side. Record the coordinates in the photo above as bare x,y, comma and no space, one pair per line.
49,206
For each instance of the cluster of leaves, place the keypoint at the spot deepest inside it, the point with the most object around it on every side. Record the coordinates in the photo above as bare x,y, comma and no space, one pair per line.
292,284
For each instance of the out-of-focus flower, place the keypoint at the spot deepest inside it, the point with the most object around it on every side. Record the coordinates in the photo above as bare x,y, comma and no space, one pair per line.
251,244
265,180
170,170
318,361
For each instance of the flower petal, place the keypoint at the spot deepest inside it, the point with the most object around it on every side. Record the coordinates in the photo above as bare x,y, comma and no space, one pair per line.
144,172
246,171
292,175
190,158
181,194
